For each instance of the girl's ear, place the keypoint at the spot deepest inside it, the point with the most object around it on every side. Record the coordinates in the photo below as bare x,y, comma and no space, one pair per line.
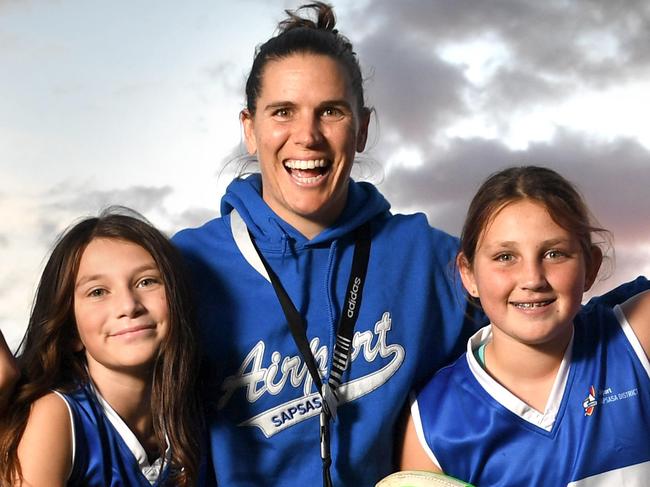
594,266
467,275
246,119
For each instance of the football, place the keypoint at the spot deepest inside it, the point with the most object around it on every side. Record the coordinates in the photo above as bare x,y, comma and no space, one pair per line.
416,478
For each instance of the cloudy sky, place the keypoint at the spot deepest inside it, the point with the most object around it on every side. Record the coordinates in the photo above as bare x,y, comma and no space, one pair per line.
136,102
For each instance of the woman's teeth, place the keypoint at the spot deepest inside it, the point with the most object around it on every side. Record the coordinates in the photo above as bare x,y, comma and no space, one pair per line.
311,164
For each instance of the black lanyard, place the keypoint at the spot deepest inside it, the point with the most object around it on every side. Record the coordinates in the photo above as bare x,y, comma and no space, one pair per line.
341,353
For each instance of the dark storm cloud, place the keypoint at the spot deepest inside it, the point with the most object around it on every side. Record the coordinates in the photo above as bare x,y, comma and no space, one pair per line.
514,89
65,203
139,198
413,90
64,209
194,217
558,36
554,50
612,176
445,182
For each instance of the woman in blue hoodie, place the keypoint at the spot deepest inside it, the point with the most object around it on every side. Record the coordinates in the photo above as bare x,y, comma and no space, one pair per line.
282,258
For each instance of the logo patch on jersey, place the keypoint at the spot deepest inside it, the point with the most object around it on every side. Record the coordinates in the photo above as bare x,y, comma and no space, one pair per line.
610,396
258,379
590,403
605,396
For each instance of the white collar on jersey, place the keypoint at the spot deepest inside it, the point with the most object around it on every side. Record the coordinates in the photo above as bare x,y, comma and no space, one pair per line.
507,399
151,471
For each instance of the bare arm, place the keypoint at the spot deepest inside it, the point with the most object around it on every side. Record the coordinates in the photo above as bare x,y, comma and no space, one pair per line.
8,372
637,312
411,454
45,450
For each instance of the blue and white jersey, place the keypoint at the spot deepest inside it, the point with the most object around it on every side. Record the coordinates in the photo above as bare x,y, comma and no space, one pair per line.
105,451
594,432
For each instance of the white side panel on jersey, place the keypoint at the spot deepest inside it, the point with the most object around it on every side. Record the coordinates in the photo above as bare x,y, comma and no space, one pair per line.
417,422
631,337
632,476
74,438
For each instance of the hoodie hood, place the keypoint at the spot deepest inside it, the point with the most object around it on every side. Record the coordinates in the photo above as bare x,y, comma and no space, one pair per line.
244,194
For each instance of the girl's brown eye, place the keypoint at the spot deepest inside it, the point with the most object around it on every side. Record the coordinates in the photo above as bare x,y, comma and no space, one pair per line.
147,281
555,254
95,293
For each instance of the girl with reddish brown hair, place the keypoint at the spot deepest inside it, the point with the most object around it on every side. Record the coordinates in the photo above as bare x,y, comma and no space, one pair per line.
550,393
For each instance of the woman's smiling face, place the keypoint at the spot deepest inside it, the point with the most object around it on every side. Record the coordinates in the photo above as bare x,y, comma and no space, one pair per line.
305,132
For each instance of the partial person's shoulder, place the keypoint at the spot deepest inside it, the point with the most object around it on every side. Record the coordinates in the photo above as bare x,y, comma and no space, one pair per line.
620,294
637,308
45,449
52,412
637,313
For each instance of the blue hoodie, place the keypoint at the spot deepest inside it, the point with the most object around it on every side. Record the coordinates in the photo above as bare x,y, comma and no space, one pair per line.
262,406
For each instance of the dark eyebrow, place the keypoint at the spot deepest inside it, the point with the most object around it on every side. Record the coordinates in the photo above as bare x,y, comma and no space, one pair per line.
509,244
336,103
149,266
341,103
84,280
278,104
554,241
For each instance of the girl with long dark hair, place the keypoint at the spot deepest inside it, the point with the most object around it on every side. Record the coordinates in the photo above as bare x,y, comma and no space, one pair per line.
108,365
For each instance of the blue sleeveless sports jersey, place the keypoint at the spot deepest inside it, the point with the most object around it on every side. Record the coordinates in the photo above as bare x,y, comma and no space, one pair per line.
101,455
595,430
